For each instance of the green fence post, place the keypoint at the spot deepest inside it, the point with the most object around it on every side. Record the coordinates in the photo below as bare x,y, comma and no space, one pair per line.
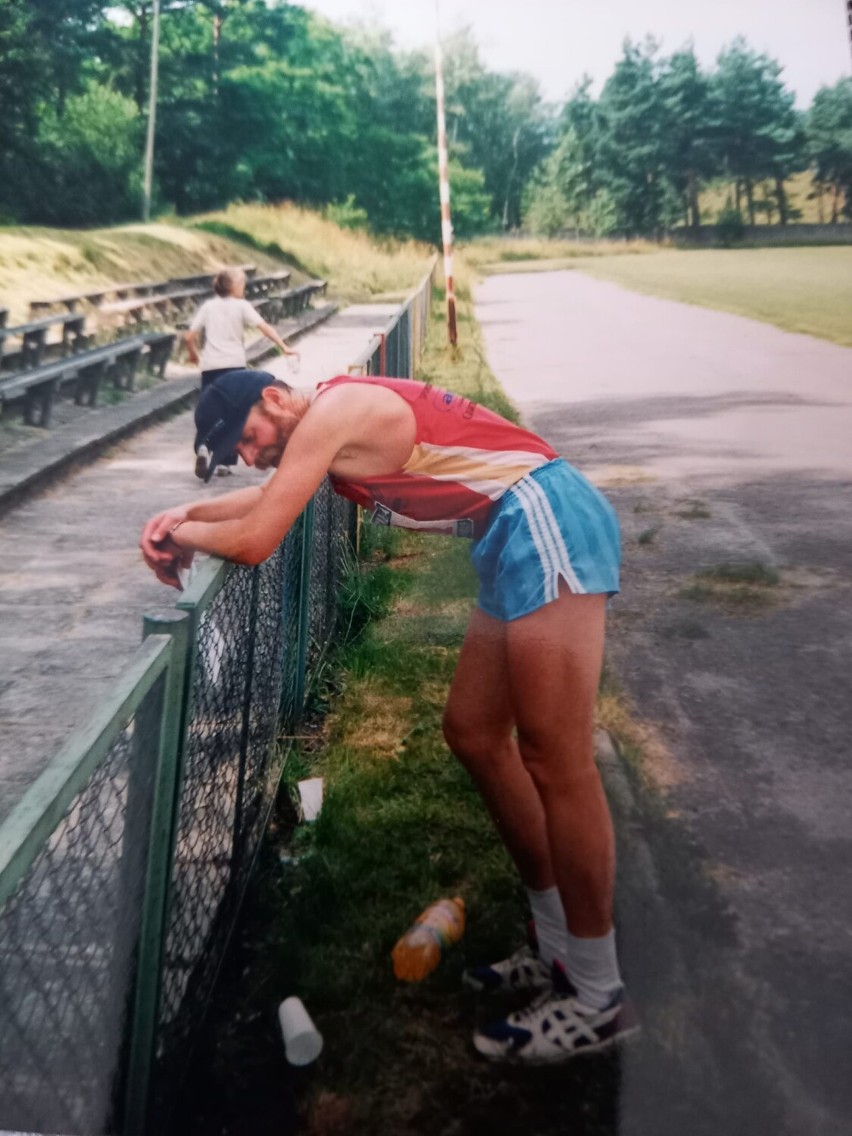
164,819
304,608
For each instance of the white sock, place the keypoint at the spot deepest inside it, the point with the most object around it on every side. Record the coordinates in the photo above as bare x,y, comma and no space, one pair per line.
592,967
549,919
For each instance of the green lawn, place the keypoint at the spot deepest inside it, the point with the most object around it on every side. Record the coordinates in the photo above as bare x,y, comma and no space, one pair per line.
799,289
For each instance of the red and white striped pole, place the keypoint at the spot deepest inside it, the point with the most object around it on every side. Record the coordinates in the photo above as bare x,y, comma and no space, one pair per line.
444,181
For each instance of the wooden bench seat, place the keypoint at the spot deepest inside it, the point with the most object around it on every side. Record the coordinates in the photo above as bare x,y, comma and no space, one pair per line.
34,342
118,362
70,302
131,290
159,346
143,308
263,285
279,306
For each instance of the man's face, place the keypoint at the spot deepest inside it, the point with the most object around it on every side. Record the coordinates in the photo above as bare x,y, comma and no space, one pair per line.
263,439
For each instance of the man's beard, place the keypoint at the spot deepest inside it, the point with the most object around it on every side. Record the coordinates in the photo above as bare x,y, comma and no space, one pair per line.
270,456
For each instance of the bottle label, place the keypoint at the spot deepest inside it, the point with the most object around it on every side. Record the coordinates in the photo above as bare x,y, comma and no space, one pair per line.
443,922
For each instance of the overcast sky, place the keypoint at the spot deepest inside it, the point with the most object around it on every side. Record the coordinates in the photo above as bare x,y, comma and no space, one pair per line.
558,40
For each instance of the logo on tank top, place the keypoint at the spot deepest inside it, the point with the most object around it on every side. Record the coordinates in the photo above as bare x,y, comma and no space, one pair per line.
443,400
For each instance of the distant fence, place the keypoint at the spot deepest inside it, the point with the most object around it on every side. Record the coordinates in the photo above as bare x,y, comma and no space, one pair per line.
709,236
797,233
123,867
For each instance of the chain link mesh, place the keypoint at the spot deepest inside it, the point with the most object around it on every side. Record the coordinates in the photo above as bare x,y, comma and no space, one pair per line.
67,941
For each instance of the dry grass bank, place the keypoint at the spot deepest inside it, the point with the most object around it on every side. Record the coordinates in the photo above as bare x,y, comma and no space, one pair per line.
40,263
358,265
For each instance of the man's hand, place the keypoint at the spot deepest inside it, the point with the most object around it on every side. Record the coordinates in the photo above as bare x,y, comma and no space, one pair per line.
160,553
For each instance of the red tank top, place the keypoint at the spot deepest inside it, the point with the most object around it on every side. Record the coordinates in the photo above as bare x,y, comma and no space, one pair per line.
464,459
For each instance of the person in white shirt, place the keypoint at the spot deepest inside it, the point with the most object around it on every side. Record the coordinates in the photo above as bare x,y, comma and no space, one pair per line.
223,320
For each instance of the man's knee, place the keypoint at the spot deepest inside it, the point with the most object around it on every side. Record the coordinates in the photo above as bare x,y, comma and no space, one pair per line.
471,742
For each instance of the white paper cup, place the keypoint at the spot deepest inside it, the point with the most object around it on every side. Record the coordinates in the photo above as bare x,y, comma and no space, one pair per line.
310,794
302,1040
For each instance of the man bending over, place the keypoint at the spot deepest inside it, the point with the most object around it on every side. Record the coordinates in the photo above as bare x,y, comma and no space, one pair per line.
520,710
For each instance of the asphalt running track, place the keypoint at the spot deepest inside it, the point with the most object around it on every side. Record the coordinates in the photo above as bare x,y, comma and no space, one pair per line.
722,442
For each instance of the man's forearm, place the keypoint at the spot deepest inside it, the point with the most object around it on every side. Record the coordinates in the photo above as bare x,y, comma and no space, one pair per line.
225,508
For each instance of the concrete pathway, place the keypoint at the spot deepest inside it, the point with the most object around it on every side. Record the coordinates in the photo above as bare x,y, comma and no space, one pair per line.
723,442
73,587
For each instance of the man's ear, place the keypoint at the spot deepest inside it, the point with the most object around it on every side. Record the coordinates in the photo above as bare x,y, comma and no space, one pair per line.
274,398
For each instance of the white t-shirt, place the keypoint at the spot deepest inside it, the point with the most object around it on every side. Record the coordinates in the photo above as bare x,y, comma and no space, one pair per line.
223,319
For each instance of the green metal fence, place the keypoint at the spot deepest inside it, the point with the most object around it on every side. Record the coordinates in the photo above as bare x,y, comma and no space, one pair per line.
395,351
123,866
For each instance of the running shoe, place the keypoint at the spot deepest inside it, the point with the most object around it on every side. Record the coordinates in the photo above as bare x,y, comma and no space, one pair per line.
522,971
556,1027
202,459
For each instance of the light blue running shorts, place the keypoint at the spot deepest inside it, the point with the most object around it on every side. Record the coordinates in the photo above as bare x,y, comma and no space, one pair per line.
552,525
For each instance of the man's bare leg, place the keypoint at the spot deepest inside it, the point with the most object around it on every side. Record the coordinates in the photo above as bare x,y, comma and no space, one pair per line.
540,672
479,728
554,659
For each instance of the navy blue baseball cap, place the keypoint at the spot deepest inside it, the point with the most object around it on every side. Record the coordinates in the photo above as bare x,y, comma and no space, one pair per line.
222,411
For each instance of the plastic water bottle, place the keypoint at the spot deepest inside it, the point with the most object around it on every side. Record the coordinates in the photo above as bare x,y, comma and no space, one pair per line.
422,946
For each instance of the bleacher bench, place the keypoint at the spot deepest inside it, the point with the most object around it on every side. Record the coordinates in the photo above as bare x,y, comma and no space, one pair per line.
163,304
117,362
68,302
159,345
263,285
131,290
34,344
277,307
4,315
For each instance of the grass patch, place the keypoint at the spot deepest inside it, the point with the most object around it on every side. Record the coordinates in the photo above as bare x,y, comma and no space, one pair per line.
357,265
805,290
530,254
693,511
739,588
648,536
401,825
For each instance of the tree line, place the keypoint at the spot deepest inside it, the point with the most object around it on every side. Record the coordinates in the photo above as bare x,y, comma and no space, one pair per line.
264,100
634,160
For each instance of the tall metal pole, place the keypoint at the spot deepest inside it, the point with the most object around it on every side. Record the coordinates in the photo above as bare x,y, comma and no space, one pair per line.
152,115
444,180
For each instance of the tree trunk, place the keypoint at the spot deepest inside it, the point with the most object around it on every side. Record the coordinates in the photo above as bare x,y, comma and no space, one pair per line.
820,210
217,35
141,84
770,204
692,198
783,208
835,204
511,179
738,194
749,189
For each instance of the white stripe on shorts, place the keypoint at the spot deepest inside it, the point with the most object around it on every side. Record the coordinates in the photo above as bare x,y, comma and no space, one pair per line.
548,538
